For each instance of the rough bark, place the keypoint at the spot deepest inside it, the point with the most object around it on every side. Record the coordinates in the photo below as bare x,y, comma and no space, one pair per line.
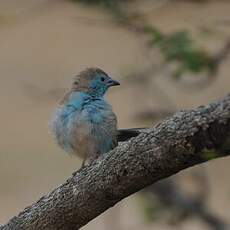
183,140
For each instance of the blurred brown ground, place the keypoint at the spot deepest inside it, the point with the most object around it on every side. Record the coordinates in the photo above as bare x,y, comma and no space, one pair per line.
42,44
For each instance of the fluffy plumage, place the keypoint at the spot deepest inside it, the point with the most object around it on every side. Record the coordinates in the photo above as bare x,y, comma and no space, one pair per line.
84,123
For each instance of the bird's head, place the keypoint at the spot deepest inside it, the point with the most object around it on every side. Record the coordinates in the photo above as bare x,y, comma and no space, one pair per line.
93,81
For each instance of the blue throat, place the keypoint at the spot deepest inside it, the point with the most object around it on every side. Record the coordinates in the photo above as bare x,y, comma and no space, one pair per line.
97,89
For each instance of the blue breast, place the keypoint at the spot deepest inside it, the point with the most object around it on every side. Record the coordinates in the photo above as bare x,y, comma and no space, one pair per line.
79,109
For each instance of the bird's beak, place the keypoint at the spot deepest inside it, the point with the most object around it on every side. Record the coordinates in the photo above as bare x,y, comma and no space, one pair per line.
112,82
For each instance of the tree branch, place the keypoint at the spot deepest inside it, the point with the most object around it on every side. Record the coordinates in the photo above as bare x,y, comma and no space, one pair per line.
183,140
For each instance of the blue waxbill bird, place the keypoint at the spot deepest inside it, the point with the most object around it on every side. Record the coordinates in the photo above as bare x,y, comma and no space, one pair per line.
84,123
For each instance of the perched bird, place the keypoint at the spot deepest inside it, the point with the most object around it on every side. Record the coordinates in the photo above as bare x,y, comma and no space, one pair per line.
84,123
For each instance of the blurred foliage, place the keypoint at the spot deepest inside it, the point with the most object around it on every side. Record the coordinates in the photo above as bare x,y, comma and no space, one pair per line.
152,208
168,200
209,154
113,6
177,47
102,2
105,3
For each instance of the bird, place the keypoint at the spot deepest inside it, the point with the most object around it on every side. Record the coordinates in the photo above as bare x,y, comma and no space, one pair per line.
84,123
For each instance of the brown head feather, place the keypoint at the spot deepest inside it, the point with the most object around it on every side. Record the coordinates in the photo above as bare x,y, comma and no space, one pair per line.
80,81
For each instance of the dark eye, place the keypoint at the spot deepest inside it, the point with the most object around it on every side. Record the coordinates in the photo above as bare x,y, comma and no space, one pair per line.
102,79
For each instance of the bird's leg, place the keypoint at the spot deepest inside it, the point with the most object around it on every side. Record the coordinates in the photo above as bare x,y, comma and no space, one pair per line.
86,161
90,159
83,163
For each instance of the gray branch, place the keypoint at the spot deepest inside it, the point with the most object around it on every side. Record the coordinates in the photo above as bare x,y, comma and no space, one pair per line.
181,141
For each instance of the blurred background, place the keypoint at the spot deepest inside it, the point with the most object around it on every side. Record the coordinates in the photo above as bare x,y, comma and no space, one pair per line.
168,55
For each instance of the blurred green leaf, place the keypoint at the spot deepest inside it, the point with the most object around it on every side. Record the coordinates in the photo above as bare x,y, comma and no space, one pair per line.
113,6
209,154
179,47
